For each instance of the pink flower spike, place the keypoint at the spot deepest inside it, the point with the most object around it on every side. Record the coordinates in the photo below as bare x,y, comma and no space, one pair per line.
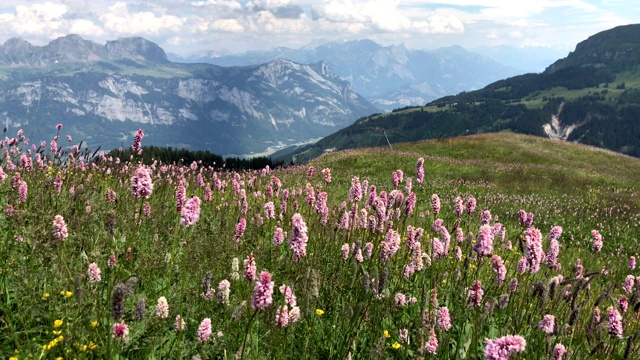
94,273
204,330
263,292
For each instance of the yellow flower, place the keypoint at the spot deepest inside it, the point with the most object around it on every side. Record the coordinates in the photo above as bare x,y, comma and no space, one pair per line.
68,294
94,324
59,358
57,324
57,332
386,334
45,295
319,312
13,358
396,345
92,345
444,281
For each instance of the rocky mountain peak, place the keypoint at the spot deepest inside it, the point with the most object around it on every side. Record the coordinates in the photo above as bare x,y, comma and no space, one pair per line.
135,48
74,49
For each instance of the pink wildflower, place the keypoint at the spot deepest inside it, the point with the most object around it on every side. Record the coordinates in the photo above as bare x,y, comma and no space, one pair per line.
263,292
390,245
459,207
310,172
22,191
486,218
299,238
368,250
475,294
269,210
553,252
632,263
400,299
94,273
522,265
435,204
548,324
278,236
289,297
179,323
558,352
502,348
471,205
629,281
355,194
615,322
181,197
282,316
444,319
311,194
190,213
112,262
250,268
555,233
326,173
623,303
597,240
162,308
529,221
420,171
499,269
345,251
59,228
410,204
204,330
141,185
432,344
533,249
484,242
240,228
137,139
121,331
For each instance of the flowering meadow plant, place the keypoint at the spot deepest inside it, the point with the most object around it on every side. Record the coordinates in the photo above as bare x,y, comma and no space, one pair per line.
477,257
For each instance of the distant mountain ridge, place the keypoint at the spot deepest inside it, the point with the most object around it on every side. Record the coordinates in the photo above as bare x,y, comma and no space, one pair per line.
388,76
74,49
592,96
104,93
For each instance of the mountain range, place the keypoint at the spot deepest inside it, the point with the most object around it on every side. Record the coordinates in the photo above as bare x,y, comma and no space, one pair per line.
387,76
592,96
104,93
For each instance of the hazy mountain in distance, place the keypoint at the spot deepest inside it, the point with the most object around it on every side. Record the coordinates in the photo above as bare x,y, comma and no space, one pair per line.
388,76
531,59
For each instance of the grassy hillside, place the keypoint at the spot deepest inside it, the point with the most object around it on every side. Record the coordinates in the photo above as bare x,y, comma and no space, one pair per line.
197,265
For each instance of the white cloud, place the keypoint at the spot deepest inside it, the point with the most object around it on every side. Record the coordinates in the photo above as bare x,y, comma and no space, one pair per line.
36,19
230,4
386,16
268,4
84,27
119,20
227,25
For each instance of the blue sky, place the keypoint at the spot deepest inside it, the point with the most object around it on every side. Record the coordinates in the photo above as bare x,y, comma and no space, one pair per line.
186,26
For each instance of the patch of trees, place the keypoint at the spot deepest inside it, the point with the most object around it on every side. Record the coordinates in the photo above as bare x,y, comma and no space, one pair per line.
169,155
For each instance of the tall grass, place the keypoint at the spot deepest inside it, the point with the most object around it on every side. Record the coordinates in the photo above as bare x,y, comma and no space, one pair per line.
177,283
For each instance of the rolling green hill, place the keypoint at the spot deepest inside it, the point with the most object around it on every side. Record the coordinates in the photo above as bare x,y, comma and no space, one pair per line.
592,97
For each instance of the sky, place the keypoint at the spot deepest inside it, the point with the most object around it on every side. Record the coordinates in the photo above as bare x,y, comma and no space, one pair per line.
189,26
